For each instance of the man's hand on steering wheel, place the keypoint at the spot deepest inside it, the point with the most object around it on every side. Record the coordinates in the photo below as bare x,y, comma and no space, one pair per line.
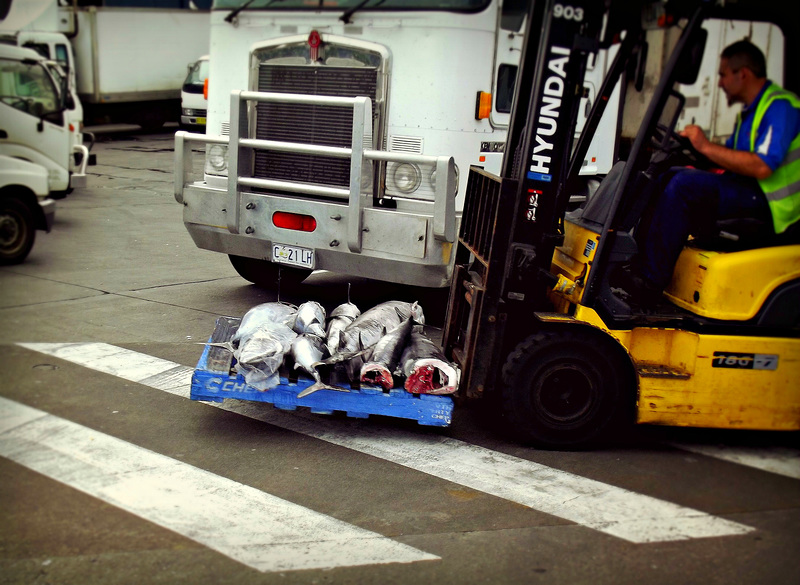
688,143
696,136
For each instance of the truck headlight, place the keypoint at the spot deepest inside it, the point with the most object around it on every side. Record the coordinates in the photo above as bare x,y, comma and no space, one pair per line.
217,159
407,177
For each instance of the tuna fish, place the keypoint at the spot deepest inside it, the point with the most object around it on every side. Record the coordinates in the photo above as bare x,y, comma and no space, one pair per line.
256,317
260,354
310,318
426,368
385,355
340,318
367,329
307,351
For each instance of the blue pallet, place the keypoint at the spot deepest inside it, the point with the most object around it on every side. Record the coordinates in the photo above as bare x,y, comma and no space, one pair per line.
214,381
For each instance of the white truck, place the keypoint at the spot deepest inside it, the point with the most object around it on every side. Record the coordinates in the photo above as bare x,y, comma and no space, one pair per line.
34,149
128,62
194,101
55,49
338,136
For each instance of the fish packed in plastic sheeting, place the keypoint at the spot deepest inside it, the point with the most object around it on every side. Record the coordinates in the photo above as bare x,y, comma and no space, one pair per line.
378,347
261,343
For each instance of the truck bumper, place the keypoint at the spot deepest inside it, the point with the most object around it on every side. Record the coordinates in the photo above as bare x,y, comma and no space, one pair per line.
77,179
193,120
48,207
396,246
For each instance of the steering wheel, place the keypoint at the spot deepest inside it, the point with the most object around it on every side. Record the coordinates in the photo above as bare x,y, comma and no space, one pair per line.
673,144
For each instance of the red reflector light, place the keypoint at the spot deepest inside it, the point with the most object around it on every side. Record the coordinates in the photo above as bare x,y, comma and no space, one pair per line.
294,221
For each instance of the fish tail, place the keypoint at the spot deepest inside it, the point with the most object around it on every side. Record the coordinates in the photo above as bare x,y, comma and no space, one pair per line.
223,344
320,386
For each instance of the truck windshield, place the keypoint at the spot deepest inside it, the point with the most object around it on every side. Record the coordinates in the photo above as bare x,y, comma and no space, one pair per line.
197,77
26,86
338,5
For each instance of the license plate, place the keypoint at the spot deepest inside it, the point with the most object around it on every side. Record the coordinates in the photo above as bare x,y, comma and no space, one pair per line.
293,255
201,120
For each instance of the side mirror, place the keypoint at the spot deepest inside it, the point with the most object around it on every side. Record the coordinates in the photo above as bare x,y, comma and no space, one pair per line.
69,102
689,66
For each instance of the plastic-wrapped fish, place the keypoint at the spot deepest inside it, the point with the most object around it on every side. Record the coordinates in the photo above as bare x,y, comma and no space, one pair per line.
260,354
310,318
256,317
339,319
426,368
385,355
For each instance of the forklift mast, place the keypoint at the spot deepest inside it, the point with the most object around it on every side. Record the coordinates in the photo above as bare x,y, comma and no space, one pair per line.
512,224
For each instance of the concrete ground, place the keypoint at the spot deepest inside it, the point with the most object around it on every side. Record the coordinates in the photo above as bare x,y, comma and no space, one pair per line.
111,475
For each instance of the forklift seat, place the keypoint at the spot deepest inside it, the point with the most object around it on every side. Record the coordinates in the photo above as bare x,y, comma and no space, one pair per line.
747,233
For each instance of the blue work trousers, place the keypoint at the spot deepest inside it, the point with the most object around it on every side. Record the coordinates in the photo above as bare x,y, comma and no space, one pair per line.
690,203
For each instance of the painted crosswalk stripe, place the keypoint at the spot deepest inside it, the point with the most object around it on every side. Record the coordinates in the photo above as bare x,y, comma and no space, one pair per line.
255,528
780,460
616,511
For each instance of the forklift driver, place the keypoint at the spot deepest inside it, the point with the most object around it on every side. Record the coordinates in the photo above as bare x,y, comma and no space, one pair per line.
760,178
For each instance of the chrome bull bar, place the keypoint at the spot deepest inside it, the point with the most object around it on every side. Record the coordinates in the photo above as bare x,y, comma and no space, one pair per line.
240,164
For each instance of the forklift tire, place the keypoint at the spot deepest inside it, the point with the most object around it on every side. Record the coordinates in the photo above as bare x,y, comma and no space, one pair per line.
17,231
265,274
561,389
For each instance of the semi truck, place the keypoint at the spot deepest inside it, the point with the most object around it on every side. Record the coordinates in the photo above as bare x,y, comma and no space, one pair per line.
127,57
338,136
293,181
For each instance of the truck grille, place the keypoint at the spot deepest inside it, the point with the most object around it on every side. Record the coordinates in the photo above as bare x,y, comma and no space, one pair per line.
309,124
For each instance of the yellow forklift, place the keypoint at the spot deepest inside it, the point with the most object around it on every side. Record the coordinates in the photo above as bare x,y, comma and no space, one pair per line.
535,319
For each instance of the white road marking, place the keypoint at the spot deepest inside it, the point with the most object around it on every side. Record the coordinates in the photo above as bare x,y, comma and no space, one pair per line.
780,460
250,526
616,511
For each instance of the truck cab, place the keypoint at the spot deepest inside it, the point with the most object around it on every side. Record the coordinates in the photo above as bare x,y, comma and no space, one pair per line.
194,103
35,149
38,120
59,58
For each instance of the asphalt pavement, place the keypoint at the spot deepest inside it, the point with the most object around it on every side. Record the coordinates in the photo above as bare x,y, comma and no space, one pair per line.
111,474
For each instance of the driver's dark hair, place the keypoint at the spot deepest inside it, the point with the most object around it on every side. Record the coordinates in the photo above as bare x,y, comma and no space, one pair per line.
745,54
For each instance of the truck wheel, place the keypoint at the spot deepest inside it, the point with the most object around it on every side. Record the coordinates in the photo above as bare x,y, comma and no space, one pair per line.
562,389
17,231
265,274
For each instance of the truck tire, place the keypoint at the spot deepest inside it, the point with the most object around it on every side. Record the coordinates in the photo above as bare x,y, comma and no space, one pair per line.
563,388
265,274
17,231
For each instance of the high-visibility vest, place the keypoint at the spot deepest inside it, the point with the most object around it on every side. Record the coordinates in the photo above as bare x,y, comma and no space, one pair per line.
782,187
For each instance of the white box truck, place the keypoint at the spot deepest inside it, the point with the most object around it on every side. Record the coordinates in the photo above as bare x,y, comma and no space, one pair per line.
129,57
